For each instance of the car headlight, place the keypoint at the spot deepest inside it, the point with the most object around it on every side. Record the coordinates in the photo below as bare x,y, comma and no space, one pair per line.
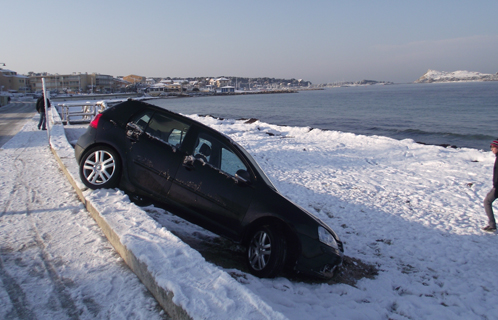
325,237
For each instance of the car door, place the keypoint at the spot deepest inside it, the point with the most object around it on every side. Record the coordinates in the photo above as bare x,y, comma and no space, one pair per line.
206,185
154,151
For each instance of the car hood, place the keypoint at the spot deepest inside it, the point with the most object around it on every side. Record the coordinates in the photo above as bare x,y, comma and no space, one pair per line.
272,203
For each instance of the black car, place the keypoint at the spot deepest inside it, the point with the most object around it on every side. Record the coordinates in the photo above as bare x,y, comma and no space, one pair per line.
207,178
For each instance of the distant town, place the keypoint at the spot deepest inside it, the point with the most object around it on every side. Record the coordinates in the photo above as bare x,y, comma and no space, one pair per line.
95,83
86,83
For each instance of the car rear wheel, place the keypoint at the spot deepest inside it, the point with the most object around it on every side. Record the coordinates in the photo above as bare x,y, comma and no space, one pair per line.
100,168
266,252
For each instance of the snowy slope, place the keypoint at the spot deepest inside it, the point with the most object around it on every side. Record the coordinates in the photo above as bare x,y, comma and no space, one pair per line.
412,210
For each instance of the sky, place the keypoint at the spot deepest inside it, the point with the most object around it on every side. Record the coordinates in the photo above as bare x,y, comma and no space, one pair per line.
318,41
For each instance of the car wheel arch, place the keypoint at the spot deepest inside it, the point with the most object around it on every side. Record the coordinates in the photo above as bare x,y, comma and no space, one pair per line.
122,157
290,235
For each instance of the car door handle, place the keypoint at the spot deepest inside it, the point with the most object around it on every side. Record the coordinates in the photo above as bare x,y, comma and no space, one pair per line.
188,163
132,135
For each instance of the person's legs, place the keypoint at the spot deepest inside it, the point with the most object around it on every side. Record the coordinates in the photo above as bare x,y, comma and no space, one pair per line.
41,120
488,207
44,121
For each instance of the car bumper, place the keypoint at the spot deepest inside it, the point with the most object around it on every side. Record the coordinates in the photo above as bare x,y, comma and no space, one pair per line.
85,140
318,259
78,152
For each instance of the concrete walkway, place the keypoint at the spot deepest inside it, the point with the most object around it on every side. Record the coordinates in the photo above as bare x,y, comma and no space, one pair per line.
55,262
13,117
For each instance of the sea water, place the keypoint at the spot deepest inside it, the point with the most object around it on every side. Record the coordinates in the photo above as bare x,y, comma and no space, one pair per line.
458,114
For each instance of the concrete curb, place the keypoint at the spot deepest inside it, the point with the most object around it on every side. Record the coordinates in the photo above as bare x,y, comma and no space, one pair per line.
197,297
163,297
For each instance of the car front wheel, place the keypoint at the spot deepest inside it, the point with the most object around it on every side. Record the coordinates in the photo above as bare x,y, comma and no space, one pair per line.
266,252
100,167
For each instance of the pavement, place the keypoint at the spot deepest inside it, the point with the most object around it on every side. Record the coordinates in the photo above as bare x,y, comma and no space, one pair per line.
55,262
13,117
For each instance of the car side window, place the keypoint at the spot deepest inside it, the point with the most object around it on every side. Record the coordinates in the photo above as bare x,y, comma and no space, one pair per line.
230,163
167,129
218,155
203,149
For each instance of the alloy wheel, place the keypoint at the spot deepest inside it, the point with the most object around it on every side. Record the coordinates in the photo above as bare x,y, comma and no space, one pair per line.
99,167
259,252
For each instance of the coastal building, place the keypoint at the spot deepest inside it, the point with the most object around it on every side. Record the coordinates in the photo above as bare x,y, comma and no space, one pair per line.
120,83
73,83
164,87
227,89
10,81
150,81
134,79
219,82
193,85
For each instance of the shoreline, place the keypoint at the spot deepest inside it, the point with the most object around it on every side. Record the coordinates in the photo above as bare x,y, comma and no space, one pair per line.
252,120
235,93
236,110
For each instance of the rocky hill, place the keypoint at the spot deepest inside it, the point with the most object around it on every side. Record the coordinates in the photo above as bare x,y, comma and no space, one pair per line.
456,76
355,84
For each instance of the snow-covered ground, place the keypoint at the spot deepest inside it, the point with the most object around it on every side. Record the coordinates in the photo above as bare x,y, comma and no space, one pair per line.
55,262
413,211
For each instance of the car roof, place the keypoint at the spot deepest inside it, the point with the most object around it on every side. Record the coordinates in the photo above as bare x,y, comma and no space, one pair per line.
122,112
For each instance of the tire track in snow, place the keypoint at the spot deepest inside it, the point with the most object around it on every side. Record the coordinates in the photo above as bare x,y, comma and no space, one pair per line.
21,306
24,195
59,292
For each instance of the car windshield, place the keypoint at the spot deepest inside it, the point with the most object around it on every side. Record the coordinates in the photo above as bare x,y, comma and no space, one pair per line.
256,167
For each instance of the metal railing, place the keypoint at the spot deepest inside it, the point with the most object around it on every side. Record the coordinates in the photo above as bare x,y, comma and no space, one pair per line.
80,112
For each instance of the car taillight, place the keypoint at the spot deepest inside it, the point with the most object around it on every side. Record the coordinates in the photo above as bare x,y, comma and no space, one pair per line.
95,121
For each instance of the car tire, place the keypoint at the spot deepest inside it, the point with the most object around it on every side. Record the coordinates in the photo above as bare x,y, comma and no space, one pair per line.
100,168
266,252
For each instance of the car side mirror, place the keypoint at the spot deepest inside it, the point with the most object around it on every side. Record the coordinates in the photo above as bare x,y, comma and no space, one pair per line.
243,176
133,131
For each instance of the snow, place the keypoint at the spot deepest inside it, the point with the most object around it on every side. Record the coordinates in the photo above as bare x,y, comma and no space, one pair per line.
413,211
55,262
461,75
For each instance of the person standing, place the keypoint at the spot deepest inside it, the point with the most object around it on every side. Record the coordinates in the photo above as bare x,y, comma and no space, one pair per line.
40,107
493,194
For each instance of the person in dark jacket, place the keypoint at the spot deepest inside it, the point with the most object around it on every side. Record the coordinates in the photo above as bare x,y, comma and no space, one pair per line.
493,194
40,107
